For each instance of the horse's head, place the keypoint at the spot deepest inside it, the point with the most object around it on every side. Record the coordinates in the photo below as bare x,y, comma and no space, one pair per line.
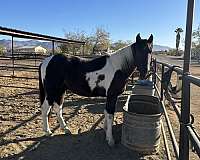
142,48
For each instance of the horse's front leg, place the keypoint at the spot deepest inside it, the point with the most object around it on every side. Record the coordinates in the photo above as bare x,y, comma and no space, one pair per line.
58,109
109,116
45,112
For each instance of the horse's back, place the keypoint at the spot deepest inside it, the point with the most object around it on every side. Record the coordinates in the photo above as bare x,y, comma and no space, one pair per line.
83,64
69,72
95,64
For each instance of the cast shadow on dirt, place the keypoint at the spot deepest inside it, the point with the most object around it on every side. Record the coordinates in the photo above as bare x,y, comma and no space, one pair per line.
86,145
94,105
89,145
28,93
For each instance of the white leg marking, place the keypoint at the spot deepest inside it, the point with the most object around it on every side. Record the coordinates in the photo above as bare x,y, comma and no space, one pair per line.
58,110
105,121
109,136
45,112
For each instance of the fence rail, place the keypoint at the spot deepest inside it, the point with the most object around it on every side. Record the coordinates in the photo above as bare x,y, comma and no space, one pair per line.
20,61
26,61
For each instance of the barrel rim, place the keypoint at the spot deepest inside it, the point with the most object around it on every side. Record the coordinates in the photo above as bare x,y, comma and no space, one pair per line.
144,115
125,108
144,86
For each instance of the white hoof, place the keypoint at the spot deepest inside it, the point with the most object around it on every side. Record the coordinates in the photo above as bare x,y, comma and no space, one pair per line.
48,133
111,142
66,130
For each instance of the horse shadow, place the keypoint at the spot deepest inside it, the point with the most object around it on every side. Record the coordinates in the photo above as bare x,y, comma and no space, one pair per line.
28,93
84,146
94,105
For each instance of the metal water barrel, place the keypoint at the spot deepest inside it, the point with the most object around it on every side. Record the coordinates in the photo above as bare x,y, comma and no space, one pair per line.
143,87
141,128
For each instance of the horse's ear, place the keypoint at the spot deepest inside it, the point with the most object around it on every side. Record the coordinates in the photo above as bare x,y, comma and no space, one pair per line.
138,38
150,40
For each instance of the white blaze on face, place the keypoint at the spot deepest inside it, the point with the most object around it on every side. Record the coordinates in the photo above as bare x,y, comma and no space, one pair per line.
44,66
150,46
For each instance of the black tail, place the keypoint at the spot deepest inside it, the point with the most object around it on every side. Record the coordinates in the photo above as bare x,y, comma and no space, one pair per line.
41,87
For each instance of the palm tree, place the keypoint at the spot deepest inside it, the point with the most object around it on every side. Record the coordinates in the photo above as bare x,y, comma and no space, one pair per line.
178,37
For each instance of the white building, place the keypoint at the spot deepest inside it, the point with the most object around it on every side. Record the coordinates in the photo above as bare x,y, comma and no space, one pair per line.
31,49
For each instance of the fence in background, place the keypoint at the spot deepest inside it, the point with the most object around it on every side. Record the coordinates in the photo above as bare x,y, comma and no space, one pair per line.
15,61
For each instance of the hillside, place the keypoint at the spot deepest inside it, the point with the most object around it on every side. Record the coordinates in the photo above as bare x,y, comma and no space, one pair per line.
6,43
161,48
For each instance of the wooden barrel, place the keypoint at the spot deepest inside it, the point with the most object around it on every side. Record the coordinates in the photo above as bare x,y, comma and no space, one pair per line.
141,128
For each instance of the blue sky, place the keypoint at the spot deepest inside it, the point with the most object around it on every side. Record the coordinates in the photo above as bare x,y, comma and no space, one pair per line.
122,18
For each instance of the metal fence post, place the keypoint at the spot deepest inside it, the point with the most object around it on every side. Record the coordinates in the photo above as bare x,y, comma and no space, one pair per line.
83,50
12,50
185,105
185,119
53,49
35,59
161,90
154,71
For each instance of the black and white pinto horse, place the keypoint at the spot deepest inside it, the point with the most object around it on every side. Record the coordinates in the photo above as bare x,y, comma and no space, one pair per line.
105,76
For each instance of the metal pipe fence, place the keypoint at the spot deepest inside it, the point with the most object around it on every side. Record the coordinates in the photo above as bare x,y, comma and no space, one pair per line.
14,62
188,127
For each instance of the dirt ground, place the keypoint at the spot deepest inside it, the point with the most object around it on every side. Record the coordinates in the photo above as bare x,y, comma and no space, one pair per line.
21,135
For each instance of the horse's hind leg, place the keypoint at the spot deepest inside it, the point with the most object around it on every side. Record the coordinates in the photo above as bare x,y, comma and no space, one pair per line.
58,109
105,121
45,112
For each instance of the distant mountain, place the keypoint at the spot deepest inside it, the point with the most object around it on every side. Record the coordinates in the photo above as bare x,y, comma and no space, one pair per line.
7,43
160,48
48,45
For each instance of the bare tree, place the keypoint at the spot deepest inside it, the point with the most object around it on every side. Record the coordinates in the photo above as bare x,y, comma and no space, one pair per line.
196,35
76,48
101,41
119,44
196,43
98,42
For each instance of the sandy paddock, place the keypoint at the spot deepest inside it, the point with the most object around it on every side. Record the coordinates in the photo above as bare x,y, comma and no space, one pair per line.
21,134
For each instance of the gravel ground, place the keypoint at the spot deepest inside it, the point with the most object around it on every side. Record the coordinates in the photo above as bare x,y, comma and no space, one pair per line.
21,135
